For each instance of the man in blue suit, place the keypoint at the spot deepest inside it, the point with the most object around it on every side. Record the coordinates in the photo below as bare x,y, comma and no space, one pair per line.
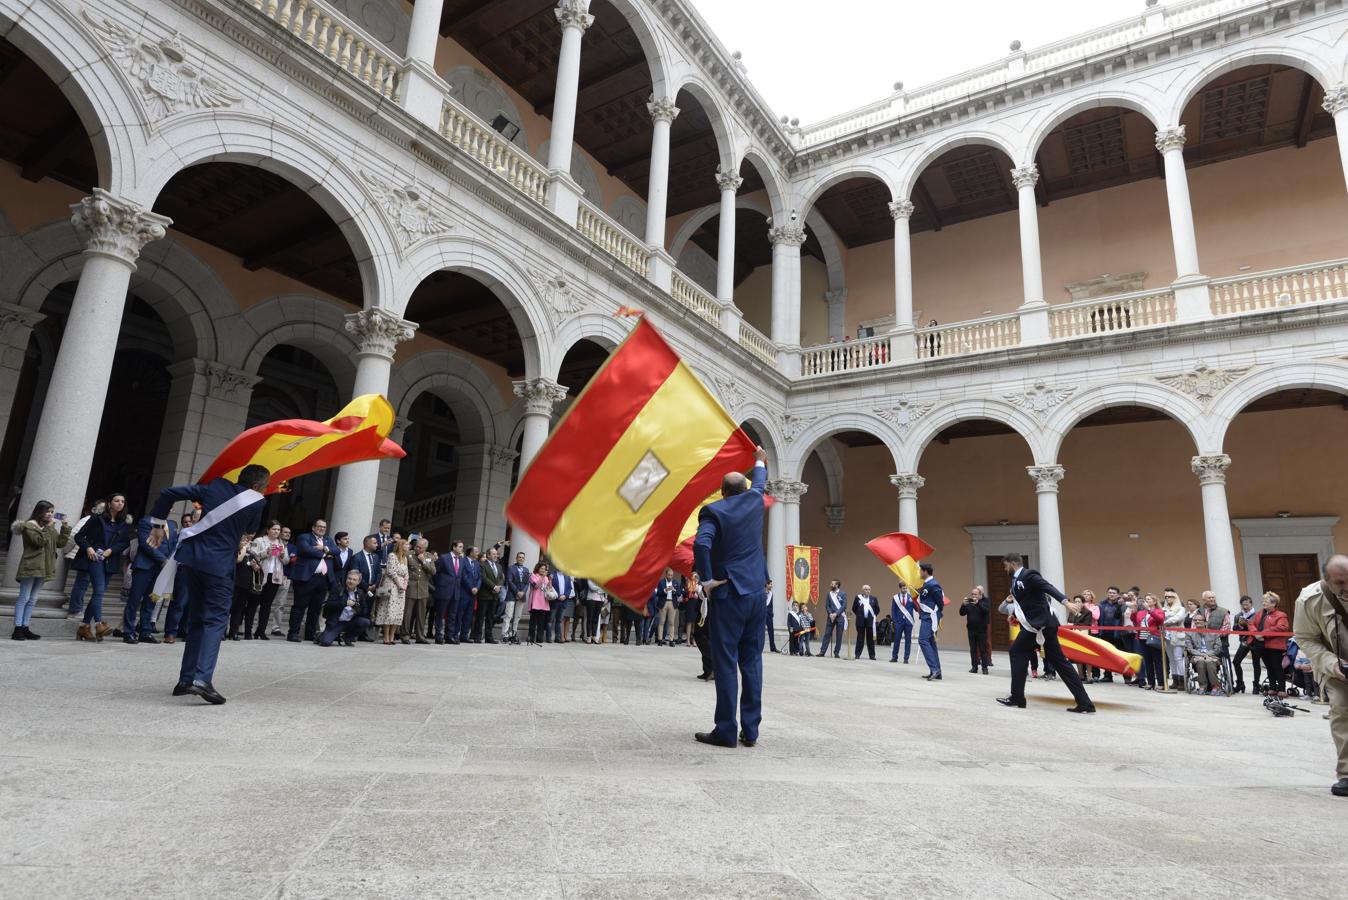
152,551
565,586
835,619
228,513
369,563
449,572
310,579
903,612
469,584
728,555
931,606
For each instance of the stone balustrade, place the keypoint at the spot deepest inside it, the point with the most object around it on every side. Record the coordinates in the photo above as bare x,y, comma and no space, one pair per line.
695,298
757,343
1124,312
1314,283
612,238
849,356
992,333
486,146
427,512
336,37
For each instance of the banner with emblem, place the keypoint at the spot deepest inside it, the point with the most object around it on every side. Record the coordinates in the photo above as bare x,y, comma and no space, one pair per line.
802,573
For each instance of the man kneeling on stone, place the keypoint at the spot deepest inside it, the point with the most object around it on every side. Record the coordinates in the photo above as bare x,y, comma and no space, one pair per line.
345,613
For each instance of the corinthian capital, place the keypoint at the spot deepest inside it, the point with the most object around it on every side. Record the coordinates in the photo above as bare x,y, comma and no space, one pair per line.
1046,478
1168,139
1336,99
901,209
787,491
728,181
1210,468
1026,176
540,395
662,110
115,227
378,331
908,484
793,235
574,14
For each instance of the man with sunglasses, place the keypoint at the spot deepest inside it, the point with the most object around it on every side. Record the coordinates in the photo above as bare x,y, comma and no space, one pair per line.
1321,627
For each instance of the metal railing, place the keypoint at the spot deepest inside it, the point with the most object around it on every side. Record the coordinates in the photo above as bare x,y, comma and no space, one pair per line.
1293,286
1101,315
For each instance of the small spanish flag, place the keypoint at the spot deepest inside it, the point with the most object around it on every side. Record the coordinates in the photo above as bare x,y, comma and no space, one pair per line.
901,553
290,448
611,490
802,573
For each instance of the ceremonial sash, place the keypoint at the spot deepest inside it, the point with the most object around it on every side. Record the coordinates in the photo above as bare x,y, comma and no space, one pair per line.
907,613
163,585
931,611
1059,612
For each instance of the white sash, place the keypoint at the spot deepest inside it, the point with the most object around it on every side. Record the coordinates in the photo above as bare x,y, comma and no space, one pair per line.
935,622
163,585
907,613
1059,612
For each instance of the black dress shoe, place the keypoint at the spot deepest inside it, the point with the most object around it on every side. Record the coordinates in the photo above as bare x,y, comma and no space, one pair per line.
422,641
365,638
1087,710
182,689
706,737
974,670
440,641
148,639
745,741
130,639
491,641
117,632
261,636
206,691
294,638
705,676
1339,788
1011,701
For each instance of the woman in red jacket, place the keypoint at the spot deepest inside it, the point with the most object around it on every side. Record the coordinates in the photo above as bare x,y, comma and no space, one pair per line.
1271,649
1148,619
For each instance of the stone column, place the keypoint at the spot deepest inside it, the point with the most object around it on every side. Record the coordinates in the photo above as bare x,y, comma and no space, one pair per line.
1034,309
378,333
1336,104
115,231
786,241
564,194
386,495
904,348
482,491
540,396
663,113
908,484
1223,579
422,90
783,529
728,183
1046,480
207,408
837,313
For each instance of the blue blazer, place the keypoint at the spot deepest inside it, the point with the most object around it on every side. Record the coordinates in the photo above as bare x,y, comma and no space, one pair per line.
368,576
444,583
153,558
517,579
310,551
564,585
931,595
729,542
472,575
658,595
213,550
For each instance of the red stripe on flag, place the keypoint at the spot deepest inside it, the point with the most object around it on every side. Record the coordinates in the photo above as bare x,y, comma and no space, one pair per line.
361,444
601,415
735,455
240,451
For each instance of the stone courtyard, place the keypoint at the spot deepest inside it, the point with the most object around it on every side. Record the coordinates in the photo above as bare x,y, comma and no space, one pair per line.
570,771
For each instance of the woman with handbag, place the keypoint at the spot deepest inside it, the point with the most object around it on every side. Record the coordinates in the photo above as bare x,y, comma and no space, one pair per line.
541,596
1148,620
391,594
272,556
247,586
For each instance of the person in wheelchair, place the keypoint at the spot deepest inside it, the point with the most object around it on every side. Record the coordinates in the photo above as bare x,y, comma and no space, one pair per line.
1203,653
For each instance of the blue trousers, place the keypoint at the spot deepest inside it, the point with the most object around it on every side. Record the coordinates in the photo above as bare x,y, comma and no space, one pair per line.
208,601
767,621
554,627
138,614
77,589
460,623
926,639
903,630
444,613
832,629
98,582
335,627
175,620
737,633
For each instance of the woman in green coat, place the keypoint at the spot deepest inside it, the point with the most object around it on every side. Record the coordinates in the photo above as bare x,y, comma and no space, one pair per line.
43,537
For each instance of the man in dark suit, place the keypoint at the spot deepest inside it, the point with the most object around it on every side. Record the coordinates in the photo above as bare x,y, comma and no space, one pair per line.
866,608
469,587
977,610
228,513
341,555
484,617
369,563
517,599
835,619
728,556
931,608
343,612
154,546
310,579
449,571
1038,628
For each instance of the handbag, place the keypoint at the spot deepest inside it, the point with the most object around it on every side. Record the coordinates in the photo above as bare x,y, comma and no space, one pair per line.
385,587
550,593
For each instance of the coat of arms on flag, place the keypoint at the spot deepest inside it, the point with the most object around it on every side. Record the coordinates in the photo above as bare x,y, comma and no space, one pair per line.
802,573
609,495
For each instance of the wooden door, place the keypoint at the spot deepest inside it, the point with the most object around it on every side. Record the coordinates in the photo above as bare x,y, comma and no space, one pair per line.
999,585
1286,574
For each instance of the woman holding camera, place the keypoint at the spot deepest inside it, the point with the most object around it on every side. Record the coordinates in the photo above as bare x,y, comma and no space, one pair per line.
43,535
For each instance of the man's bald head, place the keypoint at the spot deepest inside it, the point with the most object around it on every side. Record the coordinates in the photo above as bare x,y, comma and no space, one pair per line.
1336,574
734,483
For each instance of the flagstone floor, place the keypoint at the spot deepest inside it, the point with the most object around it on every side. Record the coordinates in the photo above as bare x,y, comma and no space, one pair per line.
570,771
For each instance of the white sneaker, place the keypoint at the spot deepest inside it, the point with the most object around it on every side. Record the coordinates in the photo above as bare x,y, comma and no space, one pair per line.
74,617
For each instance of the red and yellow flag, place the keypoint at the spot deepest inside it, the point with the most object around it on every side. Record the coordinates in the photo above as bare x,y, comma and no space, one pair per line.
610,492
901,553
1088,650
682,560
802,573
294,447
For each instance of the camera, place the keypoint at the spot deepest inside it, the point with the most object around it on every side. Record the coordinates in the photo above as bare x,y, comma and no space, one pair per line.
1343,668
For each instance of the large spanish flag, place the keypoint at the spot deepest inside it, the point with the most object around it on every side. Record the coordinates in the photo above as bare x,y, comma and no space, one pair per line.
901,553
682,560
1088,650
294,447
802,573
610,492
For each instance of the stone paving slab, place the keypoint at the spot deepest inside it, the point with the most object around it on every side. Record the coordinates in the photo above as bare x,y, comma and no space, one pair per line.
570,772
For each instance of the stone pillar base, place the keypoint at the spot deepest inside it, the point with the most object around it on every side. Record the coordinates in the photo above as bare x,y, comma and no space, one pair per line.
1034,322
564,196
422,93
661,273
902,344
1193,301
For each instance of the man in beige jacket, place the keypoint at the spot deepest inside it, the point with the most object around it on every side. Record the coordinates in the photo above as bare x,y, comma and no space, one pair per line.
1321,628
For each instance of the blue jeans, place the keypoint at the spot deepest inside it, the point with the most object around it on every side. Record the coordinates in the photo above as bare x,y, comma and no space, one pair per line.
903,631
23,607
737,633
138,614
927,641
98,581
209,599
77,590
554,629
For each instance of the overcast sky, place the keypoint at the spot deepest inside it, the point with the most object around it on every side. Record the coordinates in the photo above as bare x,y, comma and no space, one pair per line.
813,59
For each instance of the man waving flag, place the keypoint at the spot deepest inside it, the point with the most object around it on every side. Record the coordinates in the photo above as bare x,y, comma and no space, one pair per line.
644,444
901,553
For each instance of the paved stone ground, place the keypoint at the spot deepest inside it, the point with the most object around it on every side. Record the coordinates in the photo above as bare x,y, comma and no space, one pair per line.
570,771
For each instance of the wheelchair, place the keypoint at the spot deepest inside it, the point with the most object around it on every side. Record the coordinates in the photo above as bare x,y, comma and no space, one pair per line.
1226,676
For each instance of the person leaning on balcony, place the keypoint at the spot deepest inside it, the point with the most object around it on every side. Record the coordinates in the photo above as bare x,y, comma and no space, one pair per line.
1321,628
